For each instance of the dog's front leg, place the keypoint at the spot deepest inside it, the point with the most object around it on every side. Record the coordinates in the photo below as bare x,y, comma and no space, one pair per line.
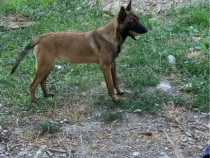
115,79
106,69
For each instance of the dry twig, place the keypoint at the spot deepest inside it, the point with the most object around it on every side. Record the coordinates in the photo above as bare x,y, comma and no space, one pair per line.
174,146
57,150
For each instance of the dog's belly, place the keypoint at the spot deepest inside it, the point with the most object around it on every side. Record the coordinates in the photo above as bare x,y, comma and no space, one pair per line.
84,59
78,57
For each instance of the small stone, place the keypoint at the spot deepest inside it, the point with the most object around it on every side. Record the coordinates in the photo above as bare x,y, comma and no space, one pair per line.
185,140
14,27
171,59
187,87
45,155
63,155
65,120
2,147
189,134
61,122
1,105
190,49
43,147
38,152
22,153
200,147
49,153
136,154
164,86
58,67
157,105
164,156
163,153
137,111
166,148
137,140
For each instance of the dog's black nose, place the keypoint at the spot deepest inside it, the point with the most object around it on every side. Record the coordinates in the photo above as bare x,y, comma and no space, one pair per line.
145,30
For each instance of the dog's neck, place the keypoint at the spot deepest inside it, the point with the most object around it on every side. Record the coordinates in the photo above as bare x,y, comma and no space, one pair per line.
111,32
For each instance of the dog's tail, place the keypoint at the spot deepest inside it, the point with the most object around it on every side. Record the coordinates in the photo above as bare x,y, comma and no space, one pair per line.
30,46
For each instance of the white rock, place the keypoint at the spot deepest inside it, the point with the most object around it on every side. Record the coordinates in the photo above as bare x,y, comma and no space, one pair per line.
22,153
45,155
136,154
61,122
65,120
38,153
200,147
185,140
191,49
165,156
163,153
43,147
1,105
187,86
49,153
58,67
189,134
137,111
157,105
164,86
2,148
171,59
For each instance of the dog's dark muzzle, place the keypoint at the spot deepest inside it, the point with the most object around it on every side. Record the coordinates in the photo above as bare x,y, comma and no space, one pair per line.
137,29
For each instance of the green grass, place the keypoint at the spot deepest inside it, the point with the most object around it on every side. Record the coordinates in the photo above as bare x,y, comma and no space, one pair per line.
141,64
46,127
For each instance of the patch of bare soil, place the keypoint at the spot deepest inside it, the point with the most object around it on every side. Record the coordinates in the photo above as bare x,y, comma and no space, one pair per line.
15,21
149,6
84,134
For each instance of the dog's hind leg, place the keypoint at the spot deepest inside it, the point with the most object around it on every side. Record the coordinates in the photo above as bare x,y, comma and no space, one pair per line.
44,64
40,78
44,90
43,86
115,79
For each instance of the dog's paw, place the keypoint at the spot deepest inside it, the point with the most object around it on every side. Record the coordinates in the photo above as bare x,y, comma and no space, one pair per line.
120,92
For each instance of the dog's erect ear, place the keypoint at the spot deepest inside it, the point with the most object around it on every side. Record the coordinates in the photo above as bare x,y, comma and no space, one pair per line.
122,14
128,8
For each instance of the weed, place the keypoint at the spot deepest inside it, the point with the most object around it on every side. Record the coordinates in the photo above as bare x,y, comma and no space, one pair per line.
46,127
112,116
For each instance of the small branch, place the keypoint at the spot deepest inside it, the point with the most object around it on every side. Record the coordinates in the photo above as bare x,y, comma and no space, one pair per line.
57,150
174,146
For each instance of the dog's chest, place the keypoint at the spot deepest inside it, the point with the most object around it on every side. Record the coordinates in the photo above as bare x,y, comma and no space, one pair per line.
115,52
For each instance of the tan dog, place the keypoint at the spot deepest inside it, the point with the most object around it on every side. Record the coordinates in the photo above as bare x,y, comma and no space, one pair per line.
101,46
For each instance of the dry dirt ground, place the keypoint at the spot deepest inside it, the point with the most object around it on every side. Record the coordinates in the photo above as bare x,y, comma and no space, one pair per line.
150,6
84,134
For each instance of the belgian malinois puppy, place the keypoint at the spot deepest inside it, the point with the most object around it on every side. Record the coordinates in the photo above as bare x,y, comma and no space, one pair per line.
101,46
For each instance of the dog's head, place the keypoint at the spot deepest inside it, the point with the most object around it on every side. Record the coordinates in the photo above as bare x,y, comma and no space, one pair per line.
129,23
